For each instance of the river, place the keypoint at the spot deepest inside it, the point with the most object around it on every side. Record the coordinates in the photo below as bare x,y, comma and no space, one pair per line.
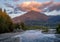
35,36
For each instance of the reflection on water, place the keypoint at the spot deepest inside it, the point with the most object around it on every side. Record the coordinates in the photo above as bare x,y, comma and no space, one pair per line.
37,36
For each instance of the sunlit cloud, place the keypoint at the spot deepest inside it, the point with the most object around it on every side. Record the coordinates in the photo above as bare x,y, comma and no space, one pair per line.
25,6
36,6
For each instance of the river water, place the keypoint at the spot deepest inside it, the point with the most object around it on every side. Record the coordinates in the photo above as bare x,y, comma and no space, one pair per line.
38,36
33,36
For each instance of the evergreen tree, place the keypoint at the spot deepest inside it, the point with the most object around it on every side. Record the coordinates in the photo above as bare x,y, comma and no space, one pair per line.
6,24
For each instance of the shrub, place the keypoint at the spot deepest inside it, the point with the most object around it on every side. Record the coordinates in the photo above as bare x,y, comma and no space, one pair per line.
58,29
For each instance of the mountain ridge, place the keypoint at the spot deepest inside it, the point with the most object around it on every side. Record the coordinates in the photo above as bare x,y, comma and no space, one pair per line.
31,15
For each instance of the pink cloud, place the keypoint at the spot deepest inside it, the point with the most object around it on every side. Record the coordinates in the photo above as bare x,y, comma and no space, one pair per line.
27,6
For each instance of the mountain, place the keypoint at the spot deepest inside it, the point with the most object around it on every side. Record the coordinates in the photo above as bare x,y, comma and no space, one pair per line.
31,16
38,18
54,19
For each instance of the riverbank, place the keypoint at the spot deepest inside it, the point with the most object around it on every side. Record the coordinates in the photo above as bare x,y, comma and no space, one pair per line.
9,37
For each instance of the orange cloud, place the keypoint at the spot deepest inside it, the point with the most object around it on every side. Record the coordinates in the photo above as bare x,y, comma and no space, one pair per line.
36,6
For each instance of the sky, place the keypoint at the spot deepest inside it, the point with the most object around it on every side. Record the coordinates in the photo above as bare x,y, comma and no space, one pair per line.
10,5
14,2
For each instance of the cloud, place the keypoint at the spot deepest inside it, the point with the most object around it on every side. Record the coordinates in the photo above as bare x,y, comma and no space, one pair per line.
36,6
26,6
53,13
9,5
54,6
